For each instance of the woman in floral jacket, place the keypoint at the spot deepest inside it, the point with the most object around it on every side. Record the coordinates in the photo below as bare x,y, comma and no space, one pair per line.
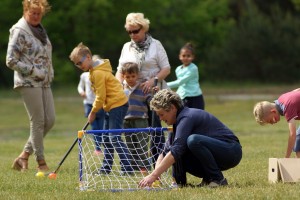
29,54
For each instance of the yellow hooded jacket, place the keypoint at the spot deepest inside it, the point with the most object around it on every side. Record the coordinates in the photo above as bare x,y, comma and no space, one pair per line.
108,90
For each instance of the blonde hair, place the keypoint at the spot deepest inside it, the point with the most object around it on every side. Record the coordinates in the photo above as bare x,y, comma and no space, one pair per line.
43,4
261,109
137,19
79,50
163,99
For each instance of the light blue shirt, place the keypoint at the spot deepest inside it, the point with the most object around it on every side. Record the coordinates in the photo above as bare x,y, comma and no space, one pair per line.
187,81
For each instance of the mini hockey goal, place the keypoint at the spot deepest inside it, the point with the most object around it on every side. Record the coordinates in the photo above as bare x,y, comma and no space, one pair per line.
141,157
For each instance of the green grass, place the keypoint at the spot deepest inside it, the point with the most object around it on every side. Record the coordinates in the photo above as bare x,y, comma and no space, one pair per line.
249,180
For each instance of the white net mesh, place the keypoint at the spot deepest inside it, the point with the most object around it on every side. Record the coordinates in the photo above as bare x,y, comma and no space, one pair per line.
128,156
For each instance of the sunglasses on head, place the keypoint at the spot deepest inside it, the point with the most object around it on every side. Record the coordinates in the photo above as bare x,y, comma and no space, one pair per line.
134,31
81,61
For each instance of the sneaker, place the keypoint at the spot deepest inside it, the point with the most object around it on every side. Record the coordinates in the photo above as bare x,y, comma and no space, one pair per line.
203,183
143,171
214,184
126,173
174,185
104,172
97,152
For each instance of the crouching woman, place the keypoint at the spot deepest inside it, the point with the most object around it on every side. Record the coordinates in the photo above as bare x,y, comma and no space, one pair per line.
200,143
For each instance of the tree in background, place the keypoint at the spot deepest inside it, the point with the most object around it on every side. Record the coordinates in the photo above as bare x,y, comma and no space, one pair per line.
100,23
262,46
236,40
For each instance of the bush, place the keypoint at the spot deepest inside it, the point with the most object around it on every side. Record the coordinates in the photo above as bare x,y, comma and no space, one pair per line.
259,48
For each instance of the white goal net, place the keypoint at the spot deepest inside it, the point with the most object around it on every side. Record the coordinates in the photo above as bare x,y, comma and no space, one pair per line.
128,156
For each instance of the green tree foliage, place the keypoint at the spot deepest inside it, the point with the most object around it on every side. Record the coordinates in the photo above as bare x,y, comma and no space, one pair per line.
297,4
8,13
235,39
100,25
259,48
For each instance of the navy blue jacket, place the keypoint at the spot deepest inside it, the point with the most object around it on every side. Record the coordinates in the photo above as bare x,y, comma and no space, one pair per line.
195,121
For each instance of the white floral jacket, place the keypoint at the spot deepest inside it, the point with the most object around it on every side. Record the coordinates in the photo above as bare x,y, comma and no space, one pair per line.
26,53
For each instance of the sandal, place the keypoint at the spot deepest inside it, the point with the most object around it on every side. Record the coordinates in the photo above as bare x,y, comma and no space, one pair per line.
20,164
42,167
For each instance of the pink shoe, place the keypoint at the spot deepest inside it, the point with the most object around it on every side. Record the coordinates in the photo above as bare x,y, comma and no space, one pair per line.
144,171
97,152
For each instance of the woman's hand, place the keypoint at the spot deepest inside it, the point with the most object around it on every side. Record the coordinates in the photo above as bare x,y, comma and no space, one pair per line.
147,181
147,86
38,73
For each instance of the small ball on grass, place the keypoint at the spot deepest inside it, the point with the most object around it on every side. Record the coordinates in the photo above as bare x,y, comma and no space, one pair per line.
40,175
52,176
156,184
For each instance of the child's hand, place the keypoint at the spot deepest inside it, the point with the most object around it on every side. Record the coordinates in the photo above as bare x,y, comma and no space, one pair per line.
82,94
91,117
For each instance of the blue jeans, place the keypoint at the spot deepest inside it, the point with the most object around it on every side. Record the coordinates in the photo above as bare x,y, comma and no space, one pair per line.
297,142
207,157
98,123
114,141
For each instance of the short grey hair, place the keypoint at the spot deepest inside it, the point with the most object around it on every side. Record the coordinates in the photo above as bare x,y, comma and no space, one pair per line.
163,99
137,19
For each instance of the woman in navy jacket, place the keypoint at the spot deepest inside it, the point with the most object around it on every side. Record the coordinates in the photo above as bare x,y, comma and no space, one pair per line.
200,143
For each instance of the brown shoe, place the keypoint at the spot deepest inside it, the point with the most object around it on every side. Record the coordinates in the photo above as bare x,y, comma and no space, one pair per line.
20,164
42,167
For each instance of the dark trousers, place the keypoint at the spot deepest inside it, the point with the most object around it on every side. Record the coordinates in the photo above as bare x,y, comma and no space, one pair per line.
208,157
194,102
157,138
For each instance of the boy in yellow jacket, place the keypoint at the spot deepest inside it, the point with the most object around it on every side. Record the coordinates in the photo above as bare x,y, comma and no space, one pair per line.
110,96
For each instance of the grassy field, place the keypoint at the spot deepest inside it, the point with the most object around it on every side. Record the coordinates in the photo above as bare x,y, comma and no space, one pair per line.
249,180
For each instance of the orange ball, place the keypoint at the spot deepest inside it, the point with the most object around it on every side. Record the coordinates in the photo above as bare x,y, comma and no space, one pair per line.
52,176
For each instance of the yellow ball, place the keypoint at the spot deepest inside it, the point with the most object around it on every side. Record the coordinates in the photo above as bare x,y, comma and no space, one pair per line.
156,184
40,175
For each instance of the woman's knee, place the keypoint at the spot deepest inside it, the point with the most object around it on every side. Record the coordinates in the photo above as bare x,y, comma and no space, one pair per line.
193,141
50,123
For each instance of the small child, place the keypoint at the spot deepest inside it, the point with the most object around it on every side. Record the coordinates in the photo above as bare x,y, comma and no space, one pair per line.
287,105
110,96
85,91
188,79
136,117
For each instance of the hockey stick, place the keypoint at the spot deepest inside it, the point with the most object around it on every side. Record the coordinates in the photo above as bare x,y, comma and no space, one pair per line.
153,117
52,175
